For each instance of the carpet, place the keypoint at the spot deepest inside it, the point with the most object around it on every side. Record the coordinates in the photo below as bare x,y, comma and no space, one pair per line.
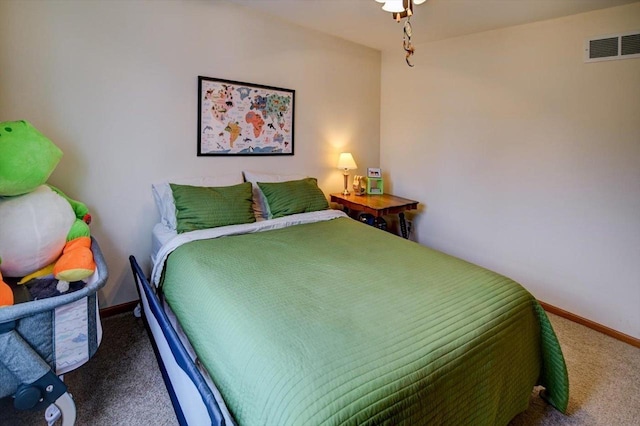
120,385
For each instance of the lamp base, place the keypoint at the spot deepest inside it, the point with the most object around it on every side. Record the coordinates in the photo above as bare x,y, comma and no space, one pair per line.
346,179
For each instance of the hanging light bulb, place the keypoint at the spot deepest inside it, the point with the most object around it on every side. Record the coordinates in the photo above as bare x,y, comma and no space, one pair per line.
394,6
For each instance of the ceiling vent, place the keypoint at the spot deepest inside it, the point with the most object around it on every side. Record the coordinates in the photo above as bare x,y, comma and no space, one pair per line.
614,46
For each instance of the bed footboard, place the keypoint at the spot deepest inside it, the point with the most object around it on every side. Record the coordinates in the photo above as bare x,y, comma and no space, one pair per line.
193,400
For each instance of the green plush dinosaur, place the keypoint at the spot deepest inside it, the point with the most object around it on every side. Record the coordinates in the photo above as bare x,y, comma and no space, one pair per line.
41,229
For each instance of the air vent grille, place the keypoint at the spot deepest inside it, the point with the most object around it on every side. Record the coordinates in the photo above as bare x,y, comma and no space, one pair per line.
613,46
631,44
603,48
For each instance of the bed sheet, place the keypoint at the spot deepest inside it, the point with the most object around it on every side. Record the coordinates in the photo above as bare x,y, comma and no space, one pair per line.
160,235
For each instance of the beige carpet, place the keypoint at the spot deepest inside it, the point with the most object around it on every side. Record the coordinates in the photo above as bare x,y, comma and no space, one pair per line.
122,385
604,381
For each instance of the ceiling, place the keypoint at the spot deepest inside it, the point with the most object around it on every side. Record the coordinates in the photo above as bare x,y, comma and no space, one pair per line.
364,22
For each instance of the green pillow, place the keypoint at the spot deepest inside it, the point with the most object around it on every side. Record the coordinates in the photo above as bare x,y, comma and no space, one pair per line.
199,207
294,196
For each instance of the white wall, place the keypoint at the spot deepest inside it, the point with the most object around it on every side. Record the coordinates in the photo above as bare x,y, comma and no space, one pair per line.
114,85
526,159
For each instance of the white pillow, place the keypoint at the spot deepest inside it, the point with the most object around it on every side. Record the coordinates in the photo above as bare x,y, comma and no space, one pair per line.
259,200
164,197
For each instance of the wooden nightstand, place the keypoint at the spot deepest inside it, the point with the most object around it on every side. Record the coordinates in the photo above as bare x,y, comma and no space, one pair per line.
378,206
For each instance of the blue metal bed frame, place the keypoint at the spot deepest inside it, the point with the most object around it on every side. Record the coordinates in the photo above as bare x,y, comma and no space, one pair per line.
172,355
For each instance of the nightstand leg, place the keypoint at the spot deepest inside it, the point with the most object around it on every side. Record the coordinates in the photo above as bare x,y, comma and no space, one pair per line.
403,225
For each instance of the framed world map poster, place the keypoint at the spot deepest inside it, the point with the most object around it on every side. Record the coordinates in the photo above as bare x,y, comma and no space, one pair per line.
236,118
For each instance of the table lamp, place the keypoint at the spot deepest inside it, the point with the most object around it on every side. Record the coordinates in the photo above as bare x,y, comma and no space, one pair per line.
346,163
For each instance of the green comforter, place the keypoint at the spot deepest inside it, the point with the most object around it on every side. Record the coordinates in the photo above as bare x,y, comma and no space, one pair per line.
339,323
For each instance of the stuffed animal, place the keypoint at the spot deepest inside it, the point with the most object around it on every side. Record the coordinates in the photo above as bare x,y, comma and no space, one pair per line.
42,231
6,295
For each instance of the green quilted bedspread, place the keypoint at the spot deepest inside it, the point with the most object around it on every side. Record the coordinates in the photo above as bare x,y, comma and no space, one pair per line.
340,323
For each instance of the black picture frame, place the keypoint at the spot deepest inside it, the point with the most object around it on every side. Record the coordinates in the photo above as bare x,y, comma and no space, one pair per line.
244,119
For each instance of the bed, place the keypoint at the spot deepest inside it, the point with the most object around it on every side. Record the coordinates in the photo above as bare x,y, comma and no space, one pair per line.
310,317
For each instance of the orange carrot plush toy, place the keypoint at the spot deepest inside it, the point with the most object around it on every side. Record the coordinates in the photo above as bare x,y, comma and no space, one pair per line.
42,231
6,295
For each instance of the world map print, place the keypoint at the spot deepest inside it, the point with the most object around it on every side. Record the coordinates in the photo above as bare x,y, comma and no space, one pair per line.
243,118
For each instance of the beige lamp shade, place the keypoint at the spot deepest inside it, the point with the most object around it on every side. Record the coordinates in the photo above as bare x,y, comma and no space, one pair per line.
346,161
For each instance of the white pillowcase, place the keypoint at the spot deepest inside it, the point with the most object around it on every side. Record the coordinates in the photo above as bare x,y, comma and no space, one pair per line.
259,200
164,197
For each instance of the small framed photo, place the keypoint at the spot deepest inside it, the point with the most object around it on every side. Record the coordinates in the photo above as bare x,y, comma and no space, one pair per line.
374,172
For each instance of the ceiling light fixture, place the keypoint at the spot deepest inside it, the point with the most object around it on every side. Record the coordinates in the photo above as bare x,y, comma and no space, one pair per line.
401,9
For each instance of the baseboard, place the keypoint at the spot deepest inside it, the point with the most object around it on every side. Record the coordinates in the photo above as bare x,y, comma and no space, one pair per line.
118,309
590,324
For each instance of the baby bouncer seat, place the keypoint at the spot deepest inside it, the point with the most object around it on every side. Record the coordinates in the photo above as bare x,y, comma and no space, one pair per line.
41,340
